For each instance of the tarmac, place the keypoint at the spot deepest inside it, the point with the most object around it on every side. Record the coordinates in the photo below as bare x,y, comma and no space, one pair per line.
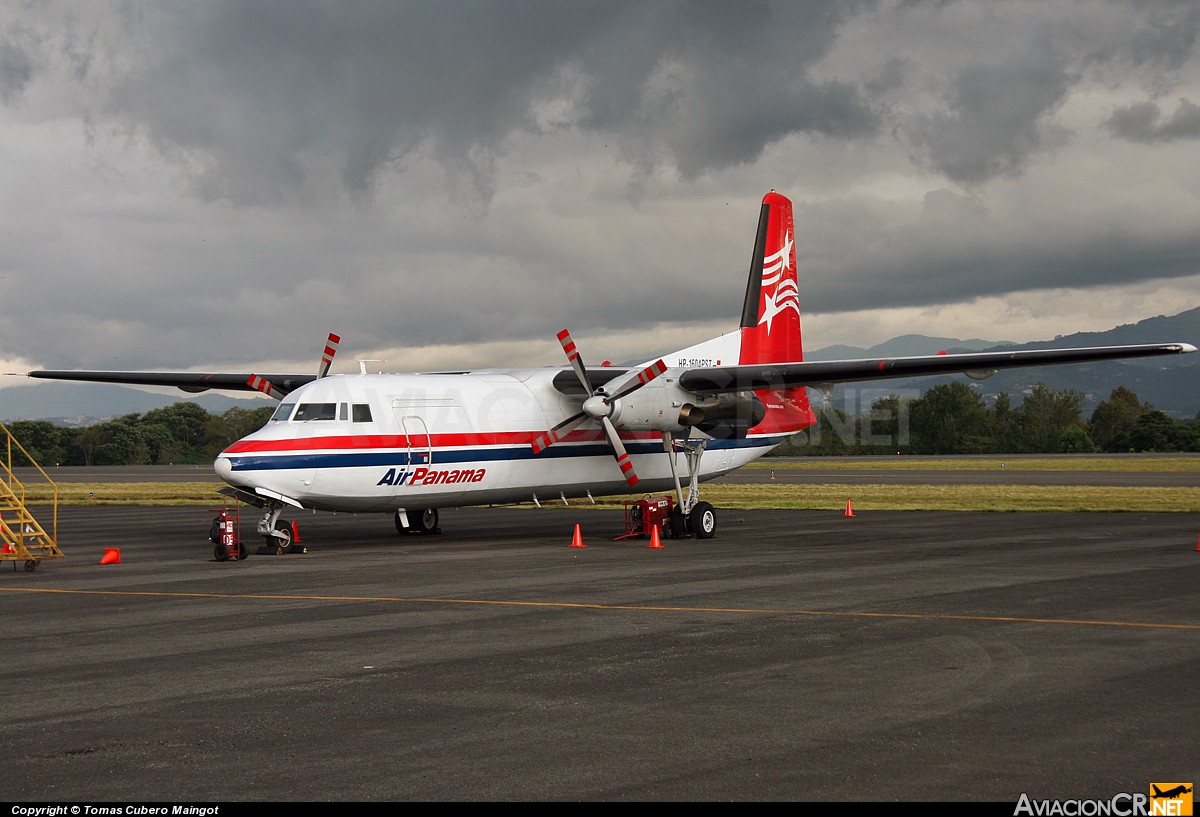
799,656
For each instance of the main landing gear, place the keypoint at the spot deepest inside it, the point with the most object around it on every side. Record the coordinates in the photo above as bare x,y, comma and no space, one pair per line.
425,522
690,516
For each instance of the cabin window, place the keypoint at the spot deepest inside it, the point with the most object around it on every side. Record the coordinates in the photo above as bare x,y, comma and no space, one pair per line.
316,411
362,413
283,412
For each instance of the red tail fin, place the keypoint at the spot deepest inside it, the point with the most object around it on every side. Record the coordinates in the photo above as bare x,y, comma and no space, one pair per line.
771,314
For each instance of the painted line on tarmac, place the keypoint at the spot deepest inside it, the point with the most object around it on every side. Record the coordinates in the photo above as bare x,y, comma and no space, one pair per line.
615,607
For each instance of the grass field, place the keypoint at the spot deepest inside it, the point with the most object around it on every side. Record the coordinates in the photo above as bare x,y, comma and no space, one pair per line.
1148,463
828,496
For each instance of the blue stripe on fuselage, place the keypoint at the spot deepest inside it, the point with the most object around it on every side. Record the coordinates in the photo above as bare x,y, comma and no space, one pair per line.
451,456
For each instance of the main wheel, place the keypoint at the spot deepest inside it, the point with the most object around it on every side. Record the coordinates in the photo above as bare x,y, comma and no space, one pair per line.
428,521
702,521
677,526
401,523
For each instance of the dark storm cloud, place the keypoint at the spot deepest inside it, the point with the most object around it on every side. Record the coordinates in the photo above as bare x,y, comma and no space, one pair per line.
15,70
712,84
1168,34
996,115
1144,122
423,172
254,97
958,250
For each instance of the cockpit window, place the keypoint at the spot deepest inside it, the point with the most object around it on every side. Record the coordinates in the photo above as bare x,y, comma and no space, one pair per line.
283,412
316,411
362,412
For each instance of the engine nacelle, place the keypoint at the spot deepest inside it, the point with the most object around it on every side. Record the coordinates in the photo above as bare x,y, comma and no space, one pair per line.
662,405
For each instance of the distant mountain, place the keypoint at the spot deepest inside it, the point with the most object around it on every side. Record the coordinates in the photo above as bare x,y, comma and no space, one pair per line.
81,404
1171,384
1183,327
903,346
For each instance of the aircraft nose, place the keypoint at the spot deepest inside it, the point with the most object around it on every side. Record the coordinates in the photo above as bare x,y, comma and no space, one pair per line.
224,468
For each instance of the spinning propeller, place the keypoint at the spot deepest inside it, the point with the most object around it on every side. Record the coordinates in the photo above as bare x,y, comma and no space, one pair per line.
599,406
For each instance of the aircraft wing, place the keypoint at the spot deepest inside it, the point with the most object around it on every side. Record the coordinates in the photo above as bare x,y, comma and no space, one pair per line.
719,379
192,382
272,385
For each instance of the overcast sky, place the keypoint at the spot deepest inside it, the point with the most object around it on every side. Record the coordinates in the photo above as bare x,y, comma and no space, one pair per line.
219,184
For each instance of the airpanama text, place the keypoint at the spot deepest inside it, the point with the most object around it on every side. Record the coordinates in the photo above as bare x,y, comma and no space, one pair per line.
428,476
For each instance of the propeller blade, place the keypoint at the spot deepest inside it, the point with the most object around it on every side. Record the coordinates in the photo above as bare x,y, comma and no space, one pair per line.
643,377
264,386
568,345
559,432
331,345
623,461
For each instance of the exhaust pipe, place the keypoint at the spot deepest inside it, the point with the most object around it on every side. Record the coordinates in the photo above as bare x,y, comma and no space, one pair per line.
743,407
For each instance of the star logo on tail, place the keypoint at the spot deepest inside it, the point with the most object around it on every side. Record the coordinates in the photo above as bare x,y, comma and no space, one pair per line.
778,274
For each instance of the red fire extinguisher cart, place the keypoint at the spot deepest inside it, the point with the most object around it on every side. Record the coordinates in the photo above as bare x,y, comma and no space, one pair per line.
226,534
648,512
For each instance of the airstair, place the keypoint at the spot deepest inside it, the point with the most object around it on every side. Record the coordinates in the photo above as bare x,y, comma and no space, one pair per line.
22,537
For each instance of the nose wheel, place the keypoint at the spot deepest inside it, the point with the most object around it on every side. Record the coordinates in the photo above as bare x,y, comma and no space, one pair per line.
281,540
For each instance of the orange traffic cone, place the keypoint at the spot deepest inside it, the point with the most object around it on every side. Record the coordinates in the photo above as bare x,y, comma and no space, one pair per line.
577,539
1198,544
8,548
849,509
655,542
295,532
112,556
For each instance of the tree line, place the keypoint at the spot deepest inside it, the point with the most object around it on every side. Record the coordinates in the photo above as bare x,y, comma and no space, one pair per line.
954,419
946,419
182,433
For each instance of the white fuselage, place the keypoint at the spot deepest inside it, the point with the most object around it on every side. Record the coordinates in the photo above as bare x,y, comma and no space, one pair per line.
377,443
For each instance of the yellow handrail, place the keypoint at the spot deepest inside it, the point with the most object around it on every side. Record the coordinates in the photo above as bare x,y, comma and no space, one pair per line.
11,478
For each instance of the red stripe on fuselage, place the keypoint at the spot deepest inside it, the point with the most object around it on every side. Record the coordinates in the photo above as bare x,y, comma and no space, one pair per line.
383,441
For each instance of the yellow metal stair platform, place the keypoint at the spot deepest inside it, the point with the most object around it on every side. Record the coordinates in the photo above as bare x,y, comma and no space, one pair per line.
22,537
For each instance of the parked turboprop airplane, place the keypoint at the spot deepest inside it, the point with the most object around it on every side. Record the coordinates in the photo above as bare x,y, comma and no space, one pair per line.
411,444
